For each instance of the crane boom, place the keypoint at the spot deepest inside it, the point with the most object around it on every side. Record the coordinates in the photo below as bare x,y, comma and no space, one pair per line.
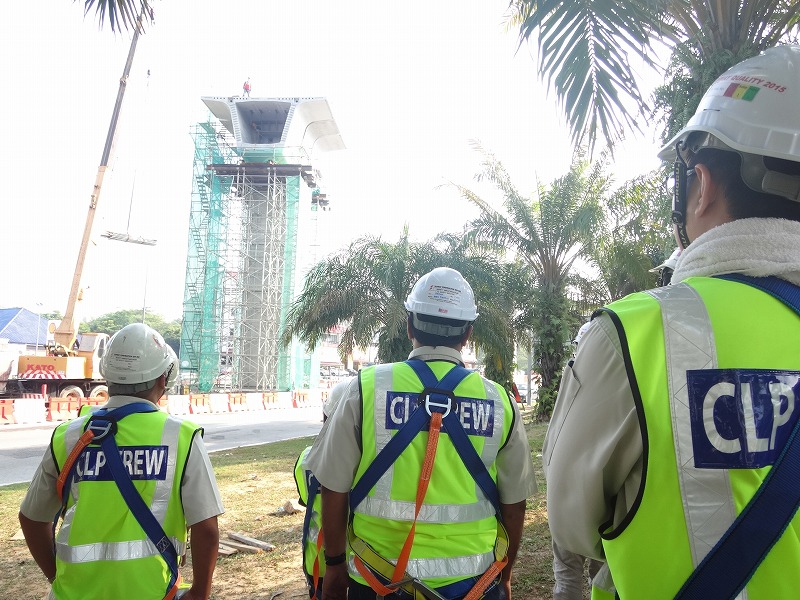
66,331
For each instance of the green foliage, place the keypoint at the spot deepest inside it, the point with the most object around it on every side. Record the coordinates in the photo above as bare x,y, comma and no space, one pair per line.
688,76
541,239
119,14
584,49
635,239
363,289
112,322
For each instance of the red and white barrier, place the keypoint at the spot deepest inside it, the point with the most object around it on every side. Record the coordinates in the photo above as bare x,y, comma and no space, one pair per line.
38,408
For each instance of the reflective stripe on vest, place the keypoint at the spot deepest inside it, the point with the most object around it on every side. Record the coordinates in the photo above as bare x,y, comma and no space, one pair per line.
130,549
430,568
689,340
112,551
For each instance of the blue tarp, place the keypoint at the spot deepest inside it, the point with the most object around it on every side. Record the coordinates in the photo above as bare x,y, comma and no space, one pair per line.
19,326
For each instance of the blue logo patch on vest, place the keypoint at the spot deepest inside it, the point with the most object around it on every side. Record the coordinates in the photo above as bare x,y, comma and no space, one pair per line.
741,418
141,462
476,414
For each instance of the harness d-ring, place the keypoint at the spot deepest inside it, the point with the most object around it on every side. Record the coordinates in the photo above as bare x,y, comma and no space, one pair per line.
429,403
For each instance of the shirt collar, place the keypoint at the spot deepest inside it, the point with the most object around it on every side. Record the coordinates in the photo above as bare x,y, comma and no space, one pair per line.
428,353
117,401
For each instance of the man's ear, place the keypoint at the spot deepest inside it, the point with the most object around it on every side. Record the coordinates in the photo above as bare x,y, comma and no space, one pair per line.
408,328
468,333
709,191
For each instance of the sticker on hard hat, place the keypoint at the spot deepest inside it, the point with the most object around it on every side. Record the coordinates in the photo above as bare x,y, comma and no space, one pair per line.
741,418
476,414
141,462
123,361
441,294
745,87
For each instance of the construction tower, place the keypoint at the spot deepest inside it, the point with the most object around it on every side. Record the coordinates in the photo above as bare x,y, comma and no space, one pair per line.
251,197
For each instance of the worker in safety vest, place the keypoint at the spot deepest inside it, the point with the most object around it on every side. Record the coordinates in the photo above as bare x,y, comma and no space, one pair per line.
666,268
569,567
423,524
663,456
309,492
127,480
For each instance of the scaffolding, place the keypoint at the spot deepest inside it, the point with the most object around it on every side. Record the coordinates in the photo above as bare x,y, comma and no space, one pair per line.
242,247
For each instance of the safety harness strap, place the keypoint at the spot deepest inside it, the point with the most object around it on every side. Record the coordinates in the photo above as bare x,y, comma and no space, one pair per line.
728,567
101,427
381,569
435,412
312,491
472,461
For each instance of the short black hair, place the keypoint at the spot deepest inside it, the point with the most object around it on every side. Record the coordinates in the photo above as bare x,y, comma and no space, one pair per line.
744,202
429,339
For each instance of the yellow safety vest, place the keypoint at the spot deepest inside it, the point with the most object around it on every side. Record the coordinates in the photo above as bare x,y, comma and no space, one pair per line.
101,550
302,477
713,366
456,528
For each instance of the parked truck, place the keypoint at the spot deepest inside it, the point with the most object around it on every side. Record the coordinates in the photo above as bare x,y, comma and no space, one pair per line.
73,374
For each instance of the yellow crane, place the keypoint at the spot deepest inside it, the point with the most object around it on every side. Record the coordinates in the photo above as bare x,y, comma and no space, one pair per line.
70,369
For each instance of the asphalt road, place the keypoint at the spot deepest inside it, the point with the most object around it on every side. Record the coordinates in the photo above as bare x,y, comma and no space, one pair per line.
22,446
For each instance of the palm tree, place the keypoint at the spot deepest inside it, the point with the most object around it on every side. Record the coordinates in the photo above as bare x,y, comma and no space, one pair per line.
545,236
119,14
635,239
364,287
584,50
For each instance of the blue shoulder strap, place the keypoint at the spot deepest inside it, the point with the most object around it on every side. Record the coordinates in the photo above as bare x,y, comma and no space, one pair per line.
728,567
104,423
312,492
439,397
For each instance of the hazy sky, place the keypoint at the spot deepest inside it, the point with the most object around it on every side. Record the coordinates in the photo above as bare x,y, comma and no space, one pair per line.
409,84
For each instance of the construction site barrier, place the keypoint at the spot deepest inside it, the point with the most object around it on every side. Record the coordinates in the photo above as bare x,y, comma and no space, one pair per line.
270,400
7,412
37,408
30,409
306,398
198,404
218,403
178,404
236,402
255,400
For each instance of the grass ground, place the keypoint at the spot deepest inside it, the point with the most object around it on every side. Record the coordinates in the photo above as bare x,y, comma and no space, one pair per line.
255,482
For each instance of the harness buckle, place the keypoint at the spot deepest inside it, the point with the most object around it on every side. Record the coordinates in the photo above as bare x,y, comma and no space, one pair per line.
395,586
438,404
101,429
428,592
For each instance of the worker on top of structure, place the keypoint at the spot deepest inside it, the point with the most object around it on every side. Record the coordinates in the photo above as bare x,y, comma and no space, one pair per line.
127,480
668,449
430,515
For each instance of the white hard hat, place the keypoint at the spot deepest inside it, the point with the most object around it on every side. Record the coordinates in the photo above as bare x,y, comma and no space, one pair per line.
584,328
669,263
752,107
137,354
443,293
